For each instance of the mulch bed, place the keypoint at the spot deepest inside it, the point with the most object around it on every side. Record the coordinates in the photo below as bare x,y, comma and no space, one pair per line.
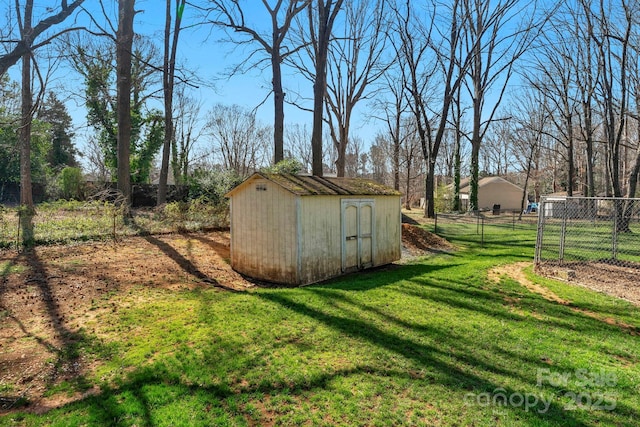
418,241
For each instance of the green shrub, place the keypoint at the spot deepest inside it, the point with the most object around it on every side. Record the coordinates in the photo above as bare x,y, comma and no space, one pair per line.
291,166
71,183
211,185
443,199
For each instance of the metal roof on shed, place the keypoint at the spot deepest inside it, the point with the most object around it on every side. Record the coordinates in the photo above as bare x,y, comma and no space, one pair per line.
309,185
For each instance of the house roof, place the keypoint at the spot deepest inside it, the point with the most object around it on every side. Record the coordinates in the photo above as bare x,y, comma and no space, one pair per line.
464,183
308,185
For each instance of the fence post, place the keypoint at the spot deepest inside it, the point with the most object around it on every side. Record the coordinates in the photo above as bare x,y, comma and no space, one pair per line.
482,238
18,234
540,233
614,234
563,232
435,223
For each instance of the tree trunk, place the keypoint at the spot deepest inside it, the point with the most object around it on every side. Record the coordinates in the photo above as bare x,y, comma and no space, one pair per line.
407,198
123,64
475,157
570,155
396,156
278,106
168,74
341,161
473,178
526,184
326,15
318,106
26,192
429,187
456,174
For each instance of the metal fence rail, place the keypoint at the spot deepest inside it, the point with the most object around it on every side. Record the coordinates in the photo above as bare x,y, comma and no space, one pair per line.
588,229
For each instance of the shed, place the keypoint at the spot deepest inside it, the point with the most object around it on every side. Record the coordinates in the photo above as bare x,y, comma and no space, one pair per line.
300,229
493,190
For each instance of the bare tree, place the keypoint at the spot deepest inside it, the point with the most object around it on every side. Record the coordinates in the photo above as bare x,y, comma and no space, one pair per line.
356,159
457,114
393,107
410,160
379,155
229,14
26,192
168,80
634,170
556,84
239,139
495,149
321,27
297,144
528,130
95,159
124,42
495,40
27,42
431,81
186,135
613,47
586,82
355,61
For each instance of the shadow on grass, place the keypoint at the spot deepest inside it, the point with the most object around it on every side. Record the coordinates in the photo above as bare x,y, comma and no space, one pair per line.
452,374
373,278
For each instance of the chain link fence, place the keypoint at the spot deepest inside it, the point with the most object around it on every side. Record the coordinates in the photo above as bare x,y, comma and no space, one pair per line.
70,222
586,230
485,227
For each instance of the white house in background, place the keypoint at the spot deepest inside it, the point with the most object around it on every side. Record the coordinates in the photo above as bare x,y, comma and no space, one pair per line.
300,229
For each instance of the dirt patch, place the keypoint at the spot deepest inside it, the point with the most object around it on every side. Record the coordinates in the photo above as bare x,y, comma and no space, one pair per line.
616,279
50,295
417,241
515,271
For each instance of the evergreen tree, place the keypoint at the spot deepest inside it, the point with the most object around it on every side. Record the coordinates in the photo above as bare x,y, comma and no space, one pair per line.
63,152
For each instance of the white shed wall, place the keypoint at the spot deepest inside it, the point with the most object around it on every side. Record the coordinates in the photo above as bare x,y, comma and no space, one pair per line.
321,235
388,230
320,238
263,233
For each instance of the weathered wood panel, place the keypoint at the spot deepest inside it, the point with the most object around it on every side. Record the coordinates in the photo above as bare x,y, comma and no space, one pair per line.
263,233
320,238
387,229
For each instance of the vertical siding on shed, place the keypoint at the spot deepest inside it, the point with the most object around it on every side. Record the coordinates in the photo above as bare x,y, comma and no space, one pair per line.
320,238
388,230
321,235
263,235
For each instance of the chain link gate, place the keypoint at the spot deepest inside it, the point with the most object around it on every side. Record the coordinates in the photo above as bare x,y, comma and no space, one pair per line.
575,230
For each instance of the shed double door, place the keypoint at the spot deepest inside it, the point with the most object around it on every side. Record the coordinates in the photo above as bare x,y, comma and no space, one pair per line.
357,234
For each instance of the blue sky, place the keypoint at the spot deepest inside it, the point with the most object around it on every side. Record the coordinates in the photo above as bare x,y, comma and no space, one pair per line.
201,51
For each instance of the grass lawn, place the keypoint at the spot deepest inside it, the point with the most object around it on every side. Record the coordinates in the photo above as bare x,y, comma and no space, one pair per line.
434,342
